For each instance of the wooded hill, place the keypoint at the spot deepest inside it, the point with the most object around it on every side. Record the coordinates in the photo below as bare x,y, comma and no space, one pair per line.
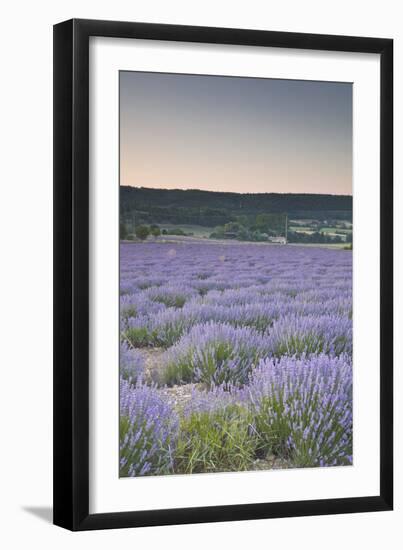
211,208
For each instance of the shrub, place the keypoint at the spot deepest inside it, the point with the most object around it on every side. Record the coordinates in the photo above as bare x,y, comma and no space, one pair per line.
127,306
303,409
137,332
214,353
133,305
155,230
170,296
131,363
142,232
148,431
168,326
299,335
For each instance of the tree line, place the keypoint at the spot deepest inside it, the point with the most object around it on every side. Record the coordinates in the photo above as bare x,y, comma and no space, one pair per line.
212,209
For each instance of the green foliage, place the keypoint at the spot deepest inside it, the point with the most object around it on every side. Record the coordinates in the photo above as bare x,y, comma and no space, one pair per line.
178,231
252,228
138,337
142,232
155,230
202,205
170,331
221,440
218,233
232,227
308,343
214,361
314,238
128,311
257,236
244,234
270,223
272,425
245,217
178,372
122,230
300,344
170,300
181,369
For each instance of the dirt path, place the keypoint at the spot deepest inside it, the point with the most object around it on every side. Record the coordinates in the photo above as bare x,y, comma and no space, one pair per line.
178,395
271,462
152,357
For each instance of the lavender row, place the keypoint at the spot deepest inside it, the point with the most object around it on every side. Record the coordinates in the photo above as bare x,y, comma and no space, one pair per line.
300,409
216,353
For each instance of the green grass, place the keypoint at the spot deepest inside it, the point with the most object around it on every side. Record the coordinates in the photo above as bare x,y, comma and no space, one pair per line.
216,441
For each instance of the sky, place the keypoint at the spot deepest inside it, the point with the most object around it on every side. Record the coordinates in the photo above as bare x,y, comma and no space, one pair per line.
244,135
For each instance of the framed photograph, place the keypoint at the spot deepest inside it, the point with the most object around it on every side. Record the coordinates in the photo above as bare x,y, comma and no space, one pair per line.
223,241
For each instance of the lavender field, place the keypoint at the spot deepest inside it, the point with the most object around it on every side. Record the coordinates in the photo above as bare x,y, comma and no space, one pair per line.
234,356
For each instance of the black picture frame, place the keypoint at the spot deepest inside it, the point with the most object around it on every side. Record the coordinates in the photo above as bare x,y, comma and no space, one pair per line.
71,274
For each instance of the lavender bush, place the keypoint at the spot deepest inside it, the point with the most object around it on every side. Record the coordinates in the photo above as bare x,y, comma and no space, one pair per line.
214,353
131,363
303,408
148,431
297,335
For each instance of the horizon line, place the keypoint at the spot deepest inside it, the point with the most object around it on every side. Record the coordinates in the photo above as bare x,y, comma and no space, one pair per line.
233,192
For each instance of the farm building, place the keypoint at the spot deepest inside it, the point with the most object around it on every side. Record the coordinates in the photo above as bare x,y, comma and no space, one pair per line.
278,240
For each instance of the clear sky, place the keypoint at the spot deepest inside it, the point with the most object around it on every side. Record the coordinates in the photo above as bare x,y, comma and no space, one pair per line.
246,135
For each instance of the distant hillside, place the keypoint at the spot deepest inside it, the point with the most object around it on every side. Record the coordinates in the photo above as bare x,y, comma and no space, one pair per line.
210,208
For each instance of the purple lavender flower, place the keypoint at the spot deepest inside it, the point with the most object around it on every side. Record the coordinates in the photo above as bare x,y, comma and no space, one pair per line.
148,431
303,408
172,295
296,335
131,363
214,353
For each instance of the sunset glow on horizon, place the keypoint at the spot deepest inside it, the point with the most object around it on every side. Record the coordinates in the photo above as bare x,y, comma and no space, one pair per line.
244,135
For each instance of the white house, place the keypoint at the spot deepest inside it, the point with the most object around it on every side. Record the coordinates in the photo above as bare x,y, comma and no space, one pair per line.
278,240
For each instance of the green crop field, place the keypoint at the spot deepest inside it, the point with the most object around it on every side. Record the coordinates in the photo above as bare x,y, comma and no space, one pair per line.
197,230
